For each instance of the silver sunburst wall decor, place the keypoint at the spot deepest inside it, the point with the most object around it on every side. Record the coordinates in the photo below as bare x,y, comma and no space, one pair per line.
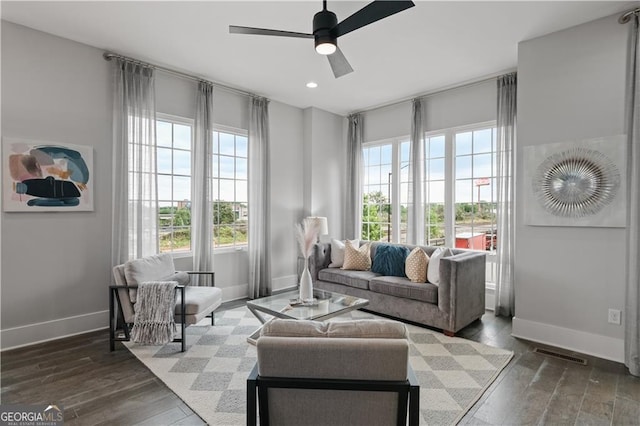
575,183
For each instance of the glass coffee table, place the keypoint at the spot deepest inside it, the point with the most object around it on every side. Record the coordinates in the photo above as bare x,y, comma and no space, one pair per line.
283,305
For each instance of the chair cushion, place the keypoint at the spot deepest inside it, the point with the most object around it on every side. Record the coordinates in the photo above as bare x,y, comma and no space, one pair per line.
365,329
403,287
148,268
356,279
198,299
158,267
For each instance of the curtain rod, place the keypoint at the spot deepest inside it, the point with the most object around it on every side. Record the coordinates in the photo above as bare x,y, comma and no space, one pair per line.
110,55
439,91
626,17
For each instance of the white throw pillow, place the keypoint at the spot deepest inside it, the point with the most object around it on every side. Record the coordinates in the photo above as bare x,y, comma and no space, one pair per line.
337,252
433,268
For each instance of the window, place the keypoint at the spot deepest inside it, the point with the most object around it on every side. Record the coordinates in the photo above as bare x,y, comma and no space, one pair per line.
434,187
376,203
174,184
459,188
384,204
230,208
475,207
229,186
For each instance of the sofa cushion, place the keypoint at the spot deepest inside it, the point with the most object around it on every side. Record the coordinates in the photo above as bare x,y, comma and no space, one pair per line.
357,259
356,279
364,329
433,269
389,260
416,265
337,252
402,287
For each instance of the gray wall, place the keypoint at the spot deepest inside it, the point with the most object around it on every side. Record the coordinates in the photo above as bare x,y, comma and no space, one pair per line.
570,87
56,266
452,108
286,126
325,167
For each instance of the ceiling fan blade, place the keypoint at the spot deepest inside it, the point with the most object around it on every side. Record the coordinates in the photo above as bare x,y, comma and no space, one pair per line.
369,14
234,29
339,64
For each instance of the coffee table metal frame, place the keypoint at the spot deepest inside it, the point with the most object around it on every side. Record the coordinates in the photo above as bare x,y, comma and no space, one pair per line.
329,305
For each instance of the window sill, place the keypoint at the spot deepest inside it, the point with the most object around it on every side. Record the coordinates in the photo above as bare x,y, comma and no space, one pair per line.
181,254
227,250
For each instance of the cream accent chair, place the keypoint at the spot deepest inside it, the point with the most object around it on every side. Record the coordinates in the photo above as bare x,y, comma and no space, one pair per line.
196,302
354,372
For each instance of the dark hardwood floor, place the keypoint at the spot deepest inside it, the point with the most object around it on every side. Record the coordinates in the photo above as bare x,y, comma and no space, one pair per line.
98,387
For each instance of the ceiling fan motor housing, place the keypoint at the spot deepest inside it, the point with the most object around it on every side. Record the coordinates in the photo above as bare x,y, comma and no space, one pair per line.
323,22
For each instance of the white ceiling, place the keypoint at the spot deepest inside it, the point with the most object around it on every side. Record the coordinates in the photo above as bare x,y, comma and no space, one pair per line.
428,47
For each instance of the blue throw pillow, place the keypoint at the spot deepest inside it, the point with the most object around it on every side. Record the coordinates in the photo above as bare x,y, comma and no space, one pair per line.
389,260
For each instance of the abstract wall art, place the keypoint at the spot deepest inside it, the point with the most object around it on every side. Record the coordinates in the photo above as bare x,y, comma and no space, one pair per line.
580,183
46,176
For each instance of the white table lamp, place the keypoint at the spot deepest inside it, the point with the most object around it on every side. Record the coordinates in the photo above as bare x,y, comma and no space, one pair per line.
319,223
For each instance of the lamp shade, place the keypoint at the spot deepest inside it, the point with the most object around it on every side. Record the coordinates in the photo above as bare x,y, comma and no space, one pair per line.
319,223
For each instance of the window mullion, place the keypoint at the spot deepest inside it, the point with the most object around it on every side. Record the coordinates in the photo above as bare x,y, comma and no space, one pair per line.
395,193
449,189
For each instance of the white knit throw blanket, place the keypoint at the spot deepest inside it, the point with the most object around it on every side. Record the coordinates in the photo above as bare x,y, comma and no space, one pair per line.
154,322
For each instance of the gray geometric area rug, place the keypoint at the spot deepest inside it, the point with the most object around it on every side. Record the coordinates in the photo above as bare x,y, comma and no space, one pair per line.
210,377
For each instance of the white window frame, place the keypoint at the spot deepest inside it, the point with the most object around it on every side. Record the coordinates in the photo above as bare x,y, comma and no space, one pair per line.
217,128
174,119
450,172
395,182
239,132
449,184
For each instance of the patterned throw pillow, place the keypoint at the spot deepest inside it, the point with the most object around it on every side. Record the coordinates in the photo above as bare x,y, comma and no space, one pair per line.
389,260
337,252
356,259
416,266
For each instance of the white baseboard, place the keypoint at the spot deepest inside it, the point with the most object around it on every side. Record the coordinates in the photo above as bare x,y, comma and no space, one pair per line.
30,334
566,338
234,292
241,291
284,283
490,299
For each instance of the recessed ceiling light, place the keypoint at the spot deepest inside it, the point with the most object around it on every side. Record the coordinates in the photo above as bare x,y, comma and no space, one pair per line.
312,85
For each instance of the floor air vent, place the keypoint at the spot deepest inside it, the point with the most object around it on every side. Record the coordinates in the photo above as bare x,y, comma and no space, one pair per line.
559,355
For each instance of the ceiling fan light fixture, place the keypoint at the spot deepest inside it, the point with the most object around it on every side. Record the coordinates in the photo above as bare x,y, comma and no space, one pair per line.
326,48
327,29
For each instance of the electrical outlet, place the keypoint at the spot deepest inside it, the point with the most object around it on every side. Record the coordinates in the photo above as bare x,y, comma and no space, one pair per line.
614,316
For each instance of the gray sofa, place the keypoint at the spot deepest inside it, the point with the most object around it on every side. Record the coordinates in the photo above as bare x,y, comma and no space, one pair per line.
457,301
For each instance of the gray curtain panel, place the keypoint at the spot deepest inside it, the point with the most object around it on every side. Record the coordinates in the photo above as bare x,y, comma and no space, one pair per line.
353,204
506,148
415,225
135,206
259,200
201,197
632,308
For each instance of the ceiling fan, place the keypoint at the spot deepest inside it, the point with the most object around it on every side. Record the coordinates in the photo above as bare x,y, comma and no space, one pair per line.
326,29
